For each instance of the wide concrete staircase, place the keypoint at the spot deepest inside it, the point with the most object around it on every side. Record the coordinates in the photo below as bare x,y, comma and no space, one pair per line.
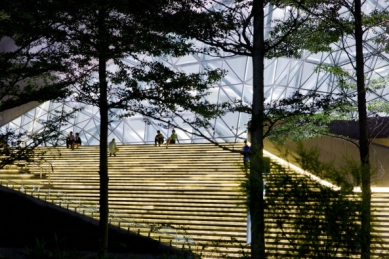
189,195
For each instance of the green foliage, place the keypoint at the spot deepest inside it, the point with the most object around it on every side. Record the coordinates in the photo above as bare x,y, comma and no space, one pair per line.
378,106
169,94
229,29
88,37
354,171
377,83
57,249
309,160
310,112
3,15
302,31
31,68
122,35
23,144
306,219
232,243
317,221
49,250
38,251
301,127
347,83
336,70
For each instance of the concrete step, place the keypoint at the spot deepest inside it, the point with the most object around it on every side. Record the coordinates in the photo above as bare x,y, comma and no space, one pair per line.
195,189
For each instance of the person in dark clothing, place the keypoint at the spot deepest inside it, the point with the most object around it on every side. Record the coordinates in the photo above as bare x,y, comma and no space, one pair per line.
77,141
245,153
7,150
159,138
69,140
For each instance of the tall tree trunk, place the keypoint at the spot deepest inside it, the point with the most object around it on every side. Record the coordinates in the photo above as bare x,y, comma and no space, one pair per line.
103,223
256,163
363,139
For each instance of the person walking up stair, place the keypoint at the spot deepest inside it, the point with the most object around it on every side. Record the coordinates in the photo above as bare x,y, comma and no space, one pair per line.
113,149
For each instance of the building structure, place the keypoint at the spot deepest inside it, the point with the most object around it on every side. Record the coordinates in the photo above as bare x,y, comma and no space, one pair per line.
283,76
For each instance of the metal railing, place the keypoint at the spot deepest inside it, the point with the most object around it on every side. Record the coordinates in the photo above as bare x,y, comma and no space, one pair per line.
43,170
69,202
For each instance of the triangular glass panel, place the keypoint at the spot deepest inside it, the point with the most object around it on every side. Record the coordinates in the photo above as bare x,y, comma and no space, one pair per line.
238,66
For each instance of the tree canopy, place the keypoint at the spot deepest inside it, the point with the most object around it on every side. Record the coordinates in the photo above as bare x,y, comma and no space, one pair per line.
86,37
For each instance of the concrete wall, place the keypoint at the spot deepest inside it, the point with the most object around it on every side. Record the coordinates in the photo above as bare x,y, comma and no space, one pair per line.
11,114
337,150
6,45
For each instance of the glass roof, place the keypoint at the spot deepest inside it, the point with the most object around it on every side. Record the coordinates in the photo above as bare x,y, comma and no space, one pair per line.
283,76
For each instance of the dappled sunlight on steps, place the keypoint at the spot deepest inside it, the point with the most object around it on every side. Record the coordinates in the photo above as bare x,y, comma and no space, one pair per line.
186,195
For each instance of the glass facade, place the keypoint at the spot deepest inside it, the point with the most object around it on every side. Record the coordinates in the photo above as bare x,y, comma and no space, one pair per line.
283,76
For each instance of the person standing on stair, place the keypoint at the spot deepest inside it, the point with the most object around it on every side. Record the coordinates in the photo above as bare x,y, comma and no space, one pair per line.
245,153
172,139
113,149
7,150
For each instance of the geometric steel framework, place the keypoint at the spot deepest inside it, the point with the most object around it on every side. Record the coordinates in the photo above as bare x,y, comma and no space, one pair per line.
283,76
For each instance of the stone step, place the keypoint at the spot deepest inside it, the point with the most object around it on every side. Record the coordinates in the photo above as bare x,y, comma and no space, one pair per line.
135,173
195,188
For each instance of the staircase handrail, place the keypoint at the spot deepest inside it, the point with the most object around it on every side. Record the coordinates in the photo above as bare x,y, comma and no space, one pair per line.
42,169
47,193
